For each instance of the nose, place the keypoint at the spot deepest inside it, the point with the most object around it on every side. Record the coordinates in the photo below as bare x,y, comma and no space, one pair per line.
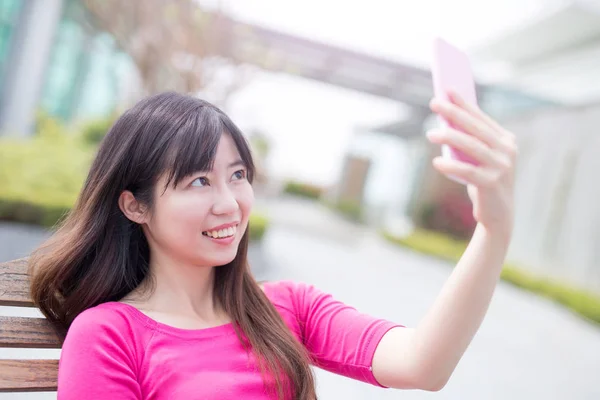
224,202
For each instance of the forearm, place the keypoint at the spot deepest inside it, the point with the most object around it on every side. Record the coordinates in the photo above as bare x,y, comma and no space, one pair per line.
443,335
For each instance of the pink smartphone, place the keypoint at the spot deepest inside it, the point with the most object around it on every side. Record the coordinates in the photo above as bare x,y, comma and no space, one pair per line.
451,70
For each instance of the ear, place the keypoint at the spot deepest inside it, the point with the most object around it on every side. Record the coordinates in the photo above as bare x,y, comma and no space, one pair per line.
132,209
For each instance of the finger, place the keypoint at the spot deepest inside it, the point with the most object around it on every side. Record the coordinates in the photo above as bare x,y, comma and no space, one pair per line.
468,144
467,172
507,138
464,121
476,112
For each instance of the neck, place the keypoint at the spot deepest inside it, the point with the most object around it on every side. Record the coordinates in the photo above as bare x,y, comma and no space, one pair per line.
183,289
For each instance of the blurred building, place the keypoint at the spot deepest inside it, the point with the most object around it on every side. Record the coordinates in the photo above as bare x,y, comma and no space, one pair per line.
557,56
550,98
53,59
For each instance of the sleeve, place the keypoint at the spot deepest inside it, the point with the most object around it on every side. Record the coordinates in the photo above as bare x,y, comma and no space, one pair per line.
338,337
96,361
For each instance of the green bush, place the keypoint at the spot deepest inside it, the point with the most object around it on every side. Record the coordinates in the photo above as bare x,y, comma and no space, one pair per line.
48,127
432,243
258,226
581,301
94,131
303,189
40,180
42,171
350,209
30,213
441,246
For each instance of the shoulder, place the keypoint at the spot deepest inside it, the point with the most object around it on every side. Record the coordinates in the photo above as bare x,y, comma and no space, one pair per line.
102,353
105,316
288,298
107,323
284,290
292,295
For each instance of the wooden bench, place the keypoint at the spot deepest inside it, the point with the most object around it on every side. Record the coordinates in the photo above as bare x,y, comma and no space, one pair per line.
21,332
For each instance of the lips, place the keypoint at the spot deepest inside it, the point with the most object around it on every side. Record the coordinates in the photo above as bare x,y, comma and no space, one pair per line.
224,226
222,231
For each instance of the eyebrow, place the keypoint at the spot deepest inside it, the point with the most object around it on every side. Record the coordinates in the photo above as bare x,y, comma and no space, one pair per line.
237,163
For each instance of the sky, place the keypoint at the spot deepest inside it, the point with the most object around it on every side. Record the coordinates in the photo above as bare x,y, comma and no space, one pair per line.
312,125
398,29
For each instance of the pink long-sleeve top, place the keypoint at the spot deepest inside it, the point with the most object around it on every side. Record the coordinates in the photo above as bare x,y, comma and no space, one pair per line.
114,351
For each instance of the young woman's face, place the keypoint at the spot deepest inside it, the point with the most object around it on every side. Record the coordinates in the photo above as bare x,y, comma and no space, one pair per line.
202,221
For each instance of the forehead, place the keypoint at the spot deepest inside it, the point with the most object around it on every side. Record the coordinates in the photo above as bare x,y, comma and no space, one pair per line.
226,150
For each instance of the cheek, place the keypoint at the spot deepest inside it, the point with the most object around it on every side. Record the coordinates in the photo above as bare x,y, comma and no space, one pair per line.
246,199
180,217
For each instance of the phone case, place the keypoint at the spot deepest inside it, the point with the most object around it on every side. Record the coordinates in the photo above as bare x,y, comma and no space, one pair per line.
451,70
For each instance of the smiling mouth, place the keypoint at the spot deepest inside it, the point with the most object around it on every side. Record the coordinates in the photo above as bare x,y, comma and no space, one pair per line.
221,233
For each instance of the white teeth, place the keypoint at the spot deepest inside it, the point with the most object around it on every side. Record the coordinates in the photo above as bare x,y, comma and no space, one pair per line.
222,233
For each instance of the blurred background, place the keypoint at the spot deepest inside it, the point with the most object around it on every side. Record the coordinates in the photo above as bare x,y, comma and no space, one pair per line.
333,97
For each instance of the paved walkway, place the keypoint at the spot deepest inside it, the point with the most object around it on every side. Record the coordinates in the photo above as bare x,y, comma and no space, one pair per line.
528,348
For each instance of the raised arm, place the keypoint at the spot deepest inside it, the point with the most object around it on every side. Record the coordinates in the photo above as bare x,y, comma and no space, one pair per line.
426,356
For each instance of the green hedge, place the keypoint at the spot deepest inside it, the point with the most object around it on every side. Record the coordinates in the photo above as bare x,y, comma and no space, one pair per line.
258,225
348,209
31,213
40,179
441,246
303,189
43,171
94,131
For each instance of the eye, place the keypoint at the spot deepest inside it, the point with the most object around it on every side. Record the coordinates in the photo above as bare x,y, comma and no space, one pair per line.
202,181
241,174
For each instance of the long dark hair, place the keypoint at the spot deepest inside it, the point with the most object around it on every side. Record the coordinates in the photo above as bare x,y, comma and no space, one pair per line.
98,255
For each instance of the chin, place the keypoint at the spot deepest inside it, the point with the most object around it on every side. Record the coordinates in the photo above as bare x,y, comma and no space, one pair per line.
224,259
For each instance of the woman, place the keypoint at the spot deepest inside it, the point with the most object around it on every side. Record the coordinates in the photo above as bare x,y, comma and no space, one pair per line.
147,279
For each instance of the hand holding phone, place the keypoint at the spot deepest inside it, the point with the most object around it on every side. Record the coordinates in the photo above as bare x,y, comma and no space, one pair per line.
451,71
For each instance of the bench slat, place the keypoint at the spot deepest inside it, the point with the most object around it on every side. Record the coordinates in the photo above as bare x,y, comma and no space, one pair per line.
22,332
28,375
14,284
